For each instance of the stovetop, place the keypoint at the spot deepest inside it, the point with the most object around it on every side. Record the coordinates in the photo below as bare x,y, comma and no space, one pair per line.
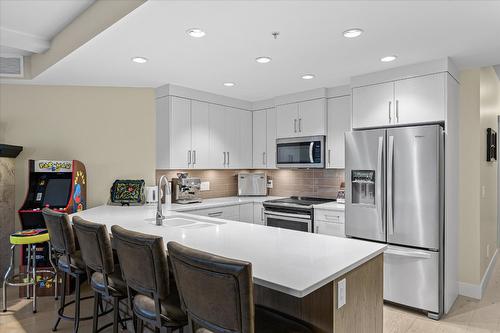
305,202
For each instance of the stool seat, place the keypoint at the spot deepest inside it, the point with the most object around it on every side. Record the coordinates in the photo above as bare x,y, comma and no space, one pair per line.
32,236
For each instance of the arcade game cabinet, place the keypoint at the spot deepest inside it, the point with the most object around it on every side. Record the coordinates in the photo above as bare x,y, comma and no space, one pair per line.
59,185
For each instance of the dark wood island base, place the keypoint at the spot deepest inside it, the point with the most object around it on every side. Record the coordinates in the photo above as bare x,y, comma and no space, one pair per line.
363,311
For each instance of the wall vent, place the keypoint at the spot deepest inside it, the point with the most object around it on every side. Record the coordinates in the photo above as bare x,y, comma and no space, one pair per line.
11,66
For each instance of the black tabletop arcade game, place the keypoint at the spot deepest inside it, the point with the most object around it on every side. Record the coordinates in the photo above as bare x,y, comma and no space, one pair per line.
59,185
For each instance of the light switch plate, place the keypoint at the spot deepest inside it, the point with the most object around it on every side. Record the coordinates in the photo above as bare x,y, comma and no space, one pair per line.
341,293
205,186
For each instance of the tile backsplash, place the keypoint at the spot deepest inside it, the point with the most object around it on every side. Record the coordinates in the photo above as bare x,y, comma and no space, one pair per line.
286,182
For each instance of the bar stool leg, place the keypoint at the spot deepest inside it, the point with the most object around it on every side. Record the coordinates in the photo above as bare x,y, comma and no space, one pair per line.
77,304
34,278
28,265
116,314
6,277
63,301
51,254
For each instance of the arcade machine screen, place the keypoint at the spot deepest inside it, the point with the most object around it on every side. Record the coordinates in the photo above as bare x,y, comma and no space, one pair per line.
57,192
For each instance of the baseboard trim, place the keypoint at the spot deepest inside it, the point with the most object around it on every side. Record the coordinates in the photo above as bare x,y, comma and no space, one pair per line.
477,290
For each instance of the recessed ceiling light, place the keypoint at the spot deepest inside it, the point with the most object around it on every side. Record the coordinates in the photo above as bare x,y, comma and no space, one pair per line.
263,60
388,58
195,32
139,60
308,76
229,84
352,33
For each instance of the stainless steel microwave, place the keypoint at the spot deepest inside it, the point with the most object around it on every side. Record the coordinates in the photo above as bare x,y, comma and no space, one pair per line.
304,152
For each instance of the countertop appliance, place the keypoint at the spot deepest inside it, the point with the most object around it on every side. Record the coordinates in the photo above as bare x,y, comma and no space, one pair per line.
252,184
151,193
395,195
304,152
294,213
186,189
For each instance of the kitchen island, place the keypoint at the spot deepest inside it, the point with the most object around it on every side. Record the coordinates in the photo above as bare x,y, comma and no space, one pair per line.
294,272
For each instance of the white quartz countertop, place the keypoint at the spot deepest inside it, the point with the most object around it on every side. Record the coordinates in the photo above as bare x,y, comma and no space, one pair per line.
218,202
292,262
330,206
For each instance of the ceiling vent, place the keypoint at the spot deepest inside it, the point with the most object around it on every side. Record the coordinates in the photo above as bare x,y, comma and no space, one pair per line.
11,66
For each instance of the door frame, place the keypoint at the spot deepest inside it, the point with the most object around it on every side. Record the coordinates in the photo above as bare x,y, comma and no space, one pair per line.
498,189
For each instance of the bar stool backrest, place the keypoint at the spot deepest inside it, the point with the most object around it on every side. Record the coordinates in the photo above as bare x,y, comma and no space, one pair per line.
216,292
60,231
95,245
143,261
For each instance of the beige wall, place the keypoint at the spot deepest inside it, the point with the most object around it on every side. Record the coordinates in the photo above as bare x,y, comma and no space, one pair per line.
111,130
479,107
469,236
489,111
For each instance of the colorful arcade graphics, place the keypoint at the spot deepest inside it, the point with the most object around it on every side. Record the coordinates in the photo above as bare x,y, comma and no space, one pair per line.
59,185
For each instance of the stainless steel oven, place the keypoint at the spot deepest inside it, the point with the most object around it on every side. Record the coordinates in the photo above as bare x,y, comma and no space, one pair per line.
294,221
304,152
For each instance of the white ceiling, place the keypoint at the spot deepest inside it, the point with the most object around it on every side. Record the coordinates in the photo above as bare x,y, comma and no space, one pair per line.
310,41
27,26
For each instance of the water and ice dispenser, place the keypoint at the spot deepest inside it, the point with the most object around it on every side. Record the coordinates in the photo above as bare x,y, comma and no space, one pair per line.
363,187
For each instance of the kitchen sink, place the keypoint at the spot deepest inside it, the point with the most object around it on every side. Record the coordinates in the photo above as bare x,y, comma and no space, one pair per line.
186,222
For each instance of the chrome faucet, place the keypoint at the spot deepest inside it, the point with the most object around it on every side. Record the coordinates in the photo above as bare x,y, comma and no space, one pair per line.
159,211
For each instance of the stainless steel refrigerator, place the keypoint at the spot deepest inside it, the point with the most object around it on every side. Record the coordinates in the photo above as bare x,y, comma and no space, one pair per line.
394,195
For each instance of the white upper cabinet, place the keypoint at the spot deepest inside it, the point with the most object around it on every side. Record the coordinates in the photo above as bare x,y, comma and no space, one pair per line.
301,119
271,138
420,99
372,106
200,135
245,149
415,100
339,122
232,137
217,124
264,139
180,132
312,117
287,120
259,138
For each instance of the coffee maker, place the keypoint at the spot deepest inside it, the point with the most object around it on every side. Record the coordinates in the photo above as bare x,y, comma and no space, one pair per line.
185,189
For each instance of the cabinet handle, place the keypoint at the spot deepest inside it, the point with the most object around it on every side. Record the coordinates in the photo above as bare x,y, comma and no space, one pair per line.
215,214
262,214
189,157
264,158
397,111
295,125
227,158
194,157
300,124
224,158
329,157
390,119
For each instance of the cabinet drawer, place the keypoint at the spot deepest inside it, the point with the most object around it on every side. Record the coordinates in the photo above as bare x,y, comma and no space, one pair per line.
226,212
329,228
333,216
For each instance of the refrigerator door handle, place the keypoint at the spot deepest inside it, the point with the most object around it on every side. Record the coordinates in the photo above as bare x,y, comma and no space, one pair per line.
390,197
378,179
412,254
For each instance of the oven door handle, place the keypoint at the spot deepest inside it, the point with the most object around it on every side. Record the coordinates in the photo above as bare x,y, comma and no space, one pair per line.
279,214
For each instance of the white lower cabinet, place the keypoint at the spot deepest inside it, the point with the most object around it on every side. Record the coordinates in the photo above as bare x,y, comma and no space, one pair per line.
246,213
258,213
329,222
225,212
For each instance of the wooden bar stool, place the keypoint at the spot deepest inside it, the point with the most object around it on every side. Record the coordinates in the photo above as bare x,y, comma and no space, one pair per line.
217,294
69,262
105,274
30,238
145,268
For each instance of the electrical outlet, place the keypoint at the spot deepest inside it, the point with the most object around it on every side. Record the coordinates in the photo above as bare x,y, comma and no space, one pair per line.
269,183
488,251
341,293
483,191
205,186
